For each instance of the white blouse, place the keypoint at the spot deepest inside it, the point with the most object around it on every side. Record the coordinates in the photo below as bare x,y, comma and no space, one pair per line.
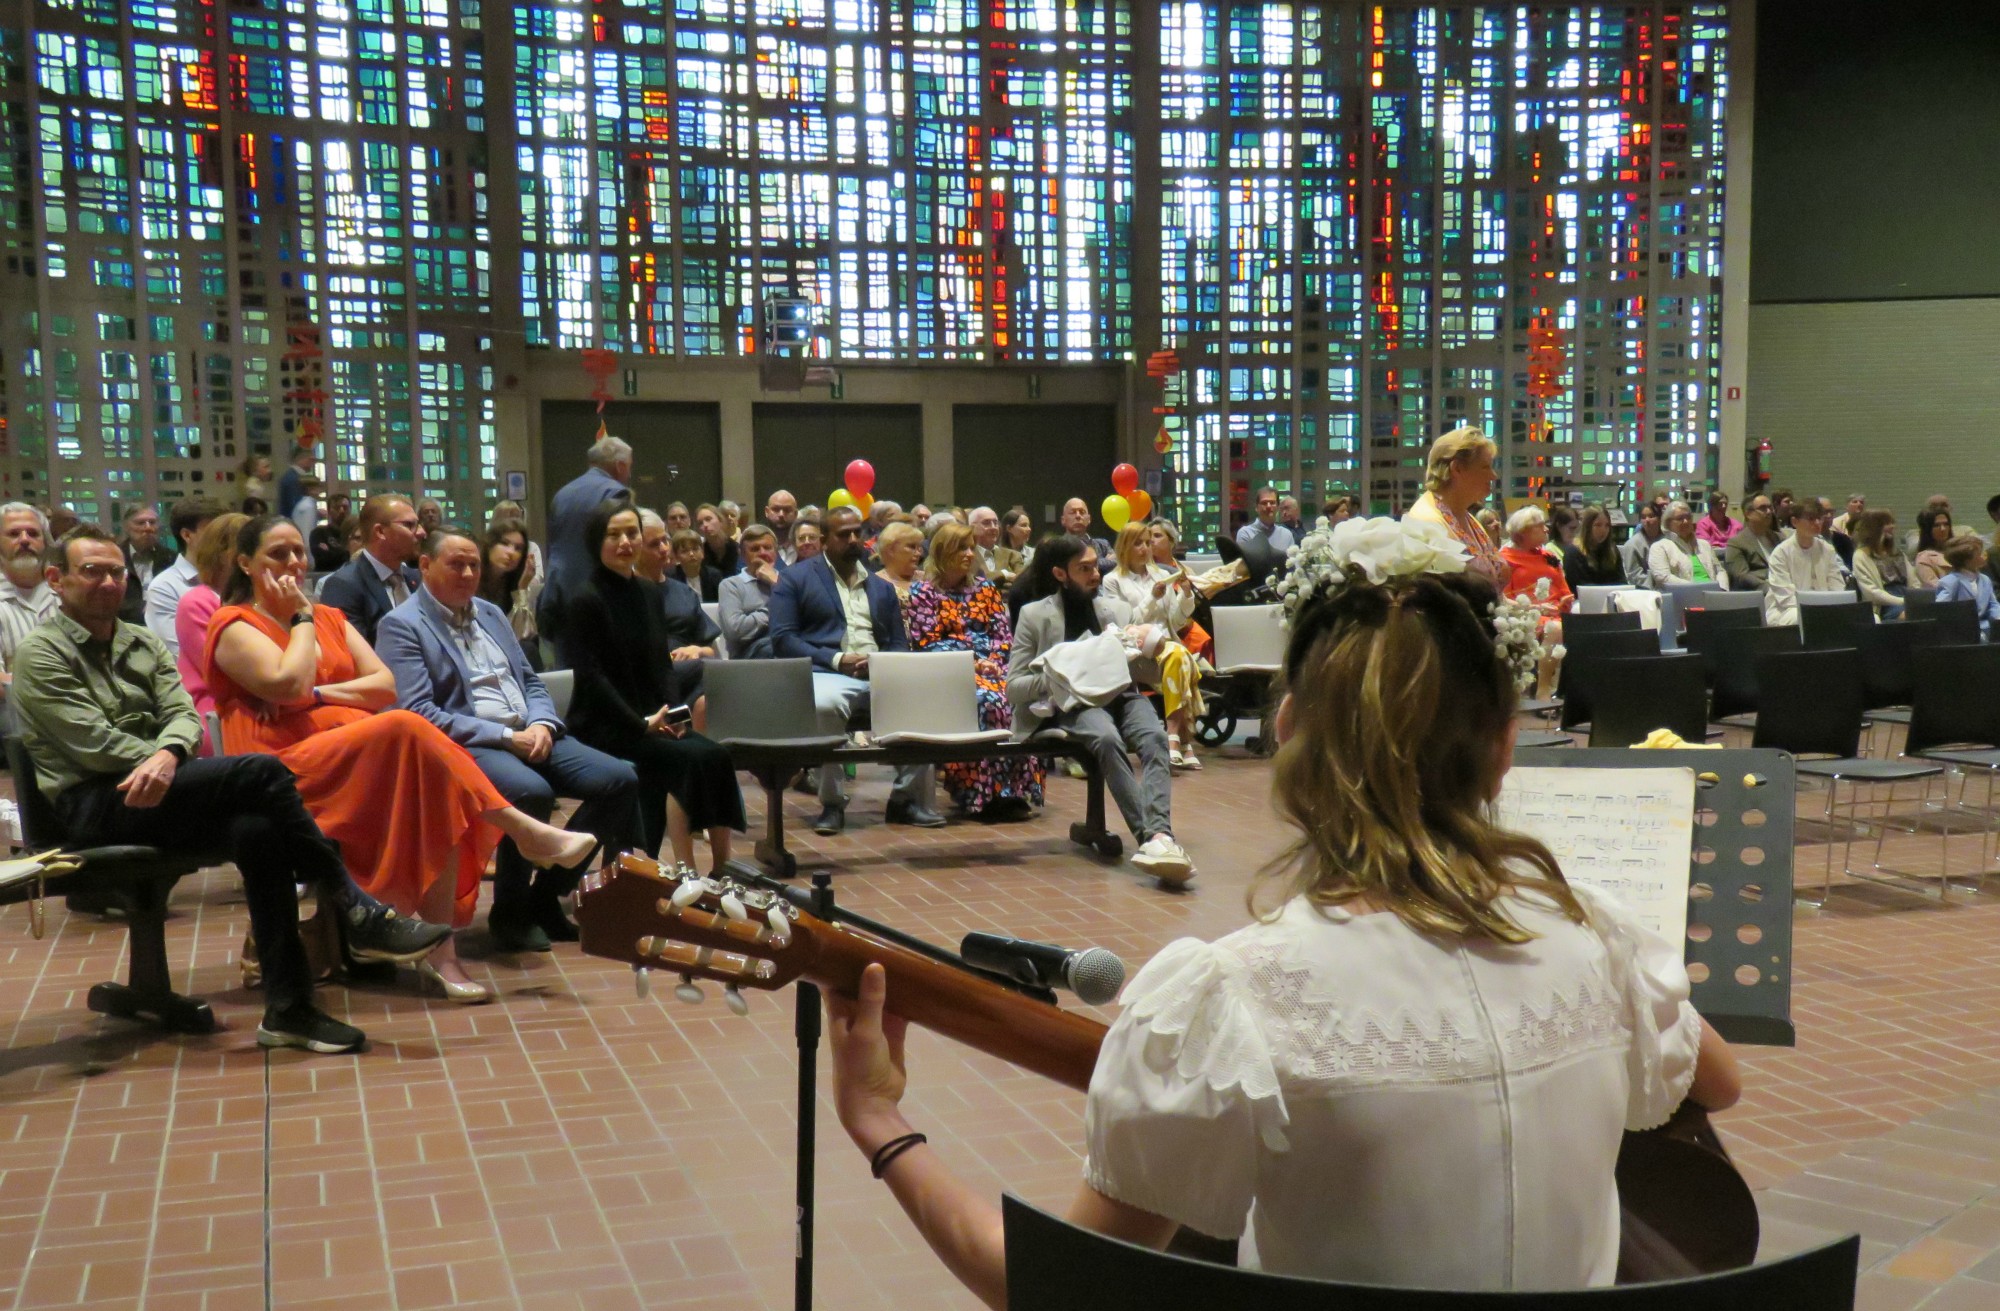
1171,611
1388,1107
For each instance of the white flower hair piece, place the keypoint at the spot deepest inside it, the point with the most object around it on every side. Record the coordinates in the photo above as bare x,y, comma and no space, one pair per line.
1516,639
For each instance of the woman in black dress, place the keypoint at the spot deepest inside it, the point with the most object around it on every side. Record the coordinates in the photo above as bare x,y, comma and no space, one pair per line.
614,636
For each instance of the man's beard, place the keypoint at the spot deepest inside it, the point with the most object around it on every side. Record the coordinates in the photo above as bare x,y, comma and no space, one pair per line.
24,570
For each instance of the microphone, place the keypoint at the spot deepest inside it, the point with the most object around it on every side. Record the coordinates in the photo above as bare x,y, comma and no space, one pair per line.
1093,974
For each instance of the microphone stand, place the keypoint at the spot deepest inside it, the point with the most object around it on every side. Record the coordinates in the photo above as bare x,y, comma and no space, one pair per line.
807,1028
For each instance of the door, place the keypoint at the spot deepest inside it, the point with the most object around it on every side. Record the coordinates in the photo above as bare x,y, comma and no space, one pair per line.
1034,456
676,448
805,449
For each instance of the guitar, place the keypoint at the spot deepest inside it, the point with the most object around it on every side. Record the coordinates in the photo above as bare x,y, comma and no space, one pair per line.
1686,1210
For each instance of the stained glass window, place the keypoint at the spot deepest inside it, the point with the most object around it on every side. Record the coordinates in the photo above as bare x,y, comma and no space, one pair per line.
238,228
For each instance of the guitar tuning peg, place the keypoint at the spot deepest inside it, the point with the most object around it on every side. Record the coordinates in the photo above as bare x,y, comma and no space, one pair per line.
781,928
642,981
688,990
733,908
688,893
734,997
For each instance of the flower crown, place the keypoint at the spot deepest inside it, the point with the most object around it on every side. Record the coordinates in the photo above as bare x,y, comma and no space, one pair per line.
1335,556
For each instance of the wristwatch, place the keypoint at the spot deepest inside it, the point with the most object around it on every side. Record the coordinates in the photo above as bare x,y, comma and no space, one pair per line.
302,617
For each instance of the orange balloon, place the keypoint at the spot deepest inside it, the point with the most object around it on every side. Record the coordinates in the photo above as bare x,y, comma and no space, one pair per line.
1142,504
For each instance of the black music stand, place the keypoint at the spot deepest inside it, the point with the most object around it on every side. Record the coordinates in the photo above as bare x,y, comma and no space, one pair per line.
1055,1266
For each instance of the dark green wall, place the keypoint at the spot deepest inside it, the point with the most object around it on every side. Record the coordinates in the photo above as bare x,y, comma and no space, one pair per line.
1877,170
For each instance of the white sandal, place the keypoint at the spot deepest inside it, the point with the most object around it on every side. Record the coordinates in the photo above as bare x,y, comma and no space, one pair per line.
1189,762
1174,755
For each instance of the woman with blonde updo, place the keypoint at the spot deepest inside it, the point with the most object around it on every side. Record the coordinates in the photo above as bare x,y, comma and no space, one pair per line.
1416,1065
1459,477
1166,598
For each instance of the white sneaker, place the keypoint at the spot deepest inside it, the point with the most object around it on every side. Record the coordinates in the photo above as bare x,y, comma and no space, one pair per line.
1164,859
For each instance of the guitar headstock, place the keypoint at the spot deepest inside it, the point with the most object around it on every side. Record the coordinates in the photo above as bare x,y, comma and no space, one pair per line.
668,917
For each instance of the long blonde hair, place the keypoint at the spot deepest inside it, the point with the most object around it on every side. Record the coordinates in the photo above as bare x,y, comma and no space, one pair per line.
1399,708
1134,540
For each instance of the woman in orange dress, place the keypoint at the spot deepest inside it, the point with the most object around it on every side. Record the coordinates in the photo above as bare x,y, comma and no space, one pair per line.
415,818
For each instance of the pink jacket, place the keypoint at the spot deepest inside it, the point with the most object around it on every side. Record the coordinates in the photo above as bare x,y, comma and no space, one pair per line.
1705,530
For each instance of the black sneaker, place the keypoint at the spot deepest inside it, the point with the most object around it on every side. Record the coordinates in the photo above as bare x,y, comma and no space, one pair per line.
305,1025
513,929
378,933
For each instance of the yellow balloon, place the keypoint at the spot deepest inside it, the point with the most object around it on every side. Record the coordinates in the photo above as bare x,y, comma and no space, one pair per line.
841,499
1117,511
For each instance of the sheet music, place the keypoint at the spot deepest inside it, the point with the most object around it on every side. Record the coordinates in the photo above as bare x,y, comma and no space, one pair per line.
1627,831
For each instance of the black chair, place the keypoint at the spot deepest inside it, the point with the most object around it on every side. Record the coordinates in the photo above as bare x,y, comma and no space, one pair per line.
1577,624
1957,621
1957,705
1736,652
1630,698
1703,621
1824,626
1888,671
131,880
1054,1266
1583,651
1810,704
1917,598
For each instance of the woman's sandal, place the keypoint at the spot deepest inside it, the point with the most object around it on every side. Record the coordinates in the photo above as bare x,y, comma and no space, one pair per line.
1174,755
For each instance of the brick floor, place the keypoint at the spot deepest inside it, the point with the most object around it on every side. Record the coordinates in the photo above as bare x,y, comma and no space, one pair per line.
573,1145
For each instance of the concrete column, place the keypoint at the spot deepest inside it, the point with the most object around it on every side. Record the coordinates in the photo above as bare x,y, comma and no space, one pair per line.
1733,457
739,449
938,455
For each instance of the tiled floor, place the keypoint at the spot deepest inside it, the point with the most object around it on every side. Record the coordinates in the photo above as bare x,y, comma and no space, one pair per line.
574,1146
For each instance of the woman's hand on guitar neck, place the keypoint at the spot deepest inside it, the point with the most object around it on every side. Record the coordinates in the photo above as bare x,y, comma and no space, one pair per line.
868,1073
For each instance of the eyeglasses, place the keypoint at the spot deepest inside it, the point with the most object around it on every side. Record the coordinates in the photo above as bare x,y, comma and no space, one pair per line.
101,573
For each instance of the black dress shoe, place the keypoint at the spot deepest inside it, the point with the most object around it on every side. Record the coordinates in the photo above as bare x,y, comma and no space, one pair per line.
513,928
546,913
830,821
1007,810
915,816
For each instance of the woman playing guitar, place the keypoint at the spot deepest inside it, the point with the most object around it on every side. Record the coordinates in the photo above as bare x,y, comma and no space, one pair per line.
1416,1065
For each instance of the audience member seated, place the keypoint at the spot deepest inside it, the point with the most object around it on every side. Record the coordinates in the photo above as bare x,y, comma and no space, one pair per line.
615,638
718,546
1531,565
538,571
1017,531
999,562
214,560
1717,527
1967,581
1803,562
145,558
900,549
414,817
507,583
745,611
163,595
832,610
1363,1037
384,575
1680,556
1934,530
1264,541
327,541
1637,552
456,662
1340,509
1845,521
679,519
1164,597
781,516
808,539
1593,560
1075,612
1164,540
1747,558
732,518
110,729
954,607
26,598
1076,523
1879,573
1459,475
1289,517
690,632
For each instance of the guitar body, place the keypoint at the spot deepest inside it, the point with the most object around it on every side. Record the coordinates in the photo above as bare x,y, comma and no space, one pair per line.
1685,1209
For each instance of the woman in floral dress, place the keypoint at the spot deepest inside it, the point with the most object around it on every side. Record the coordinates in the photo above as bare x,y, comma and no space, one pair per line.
953,608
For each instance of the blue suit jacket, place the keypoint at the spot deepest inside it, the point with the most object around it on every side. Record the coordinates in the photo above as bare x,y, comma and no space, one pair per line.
356,592
432,678
569,562
807,618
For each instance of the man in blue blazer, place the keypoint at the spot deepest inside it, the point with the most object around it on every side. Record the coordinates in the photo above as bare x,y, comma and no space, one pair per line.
457,664
379,577
834,611
609,477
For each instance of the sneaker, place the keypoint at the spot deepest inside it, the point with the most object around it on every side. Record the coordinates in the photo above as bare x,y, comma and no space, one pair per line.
306,1026
378,933
1163,858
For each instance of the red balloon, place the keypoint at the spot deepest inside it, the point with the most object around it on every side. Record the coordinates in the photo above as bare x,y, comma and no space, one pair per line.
860,478
1124,478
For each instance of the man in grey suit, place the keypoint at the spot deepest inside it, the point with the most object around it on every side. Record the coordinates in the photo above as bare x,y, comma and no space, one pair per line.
457,664
1126,723
1746,558
608,478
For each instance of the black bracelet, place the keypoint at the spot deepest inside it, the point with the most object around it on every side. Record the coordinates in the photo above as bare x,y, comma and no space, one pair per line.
889,1151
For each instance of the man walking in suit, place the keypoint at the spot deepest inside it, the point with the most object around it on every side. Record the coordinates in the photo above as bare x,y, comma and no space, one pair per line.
608,478
457,664
834,611
1126,723
380,577
144,558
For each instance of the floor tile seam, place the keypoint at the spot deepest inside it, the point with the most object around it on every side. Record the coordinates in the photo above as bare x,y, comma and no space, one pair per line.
166,1155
